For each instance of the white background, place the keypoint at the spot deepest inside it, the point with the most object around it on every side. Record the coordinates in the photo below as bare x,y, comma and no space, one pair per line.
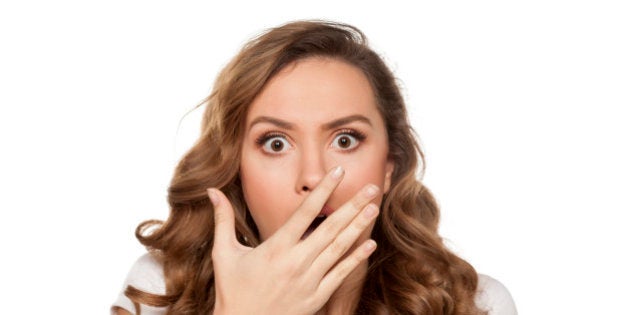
522,109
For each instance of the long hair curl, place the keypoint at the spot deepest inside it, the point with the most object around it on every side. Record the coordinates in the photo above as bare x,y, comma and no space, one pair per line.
411,272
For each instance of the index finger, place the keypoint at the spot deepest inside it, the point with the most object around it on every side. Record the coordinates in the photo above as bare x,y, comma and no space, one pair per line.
310,208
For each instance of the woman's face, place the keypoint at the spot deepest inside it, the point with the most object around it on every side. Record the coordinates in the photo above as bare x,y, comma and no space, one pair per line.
313,115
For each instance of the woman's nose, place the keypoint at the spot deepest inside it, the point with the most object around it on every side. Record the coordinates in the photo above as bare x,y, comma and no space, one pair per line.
312,168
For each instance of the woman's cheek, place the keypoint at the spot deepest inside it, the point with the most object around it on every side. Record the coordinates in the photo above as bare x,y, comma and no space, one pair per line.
267,211
266,193
365,167
357,175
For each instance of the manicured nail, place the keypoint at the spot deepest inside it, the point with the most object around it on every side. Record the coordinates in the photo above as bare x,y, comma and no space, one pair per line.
369,246
337,172
371,190
370,211
213,196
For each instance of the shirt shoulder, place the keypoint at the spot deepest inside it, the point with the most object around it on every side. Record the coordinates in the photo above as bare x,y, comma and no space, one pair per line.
146,274
494,297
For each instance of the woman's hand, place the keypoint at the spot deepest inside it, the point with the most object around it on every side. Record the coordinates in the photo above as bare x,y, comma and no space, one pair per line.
284,274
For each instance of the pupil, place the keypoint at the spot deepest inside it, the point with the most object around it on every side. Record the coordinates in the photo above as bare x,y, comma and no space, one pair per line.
277,145
344,142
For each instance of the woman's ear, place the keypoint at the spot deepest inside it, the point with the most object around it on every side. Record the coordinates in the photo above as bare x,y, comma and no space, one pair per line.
389,169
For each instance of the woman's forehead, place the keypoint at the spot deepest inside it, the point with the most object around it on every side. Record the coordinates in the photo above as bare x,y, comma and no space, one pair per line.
315,89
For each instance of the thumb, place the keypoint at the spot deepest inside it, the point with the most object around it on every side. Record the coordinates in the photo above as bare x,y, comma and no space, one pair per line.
224,234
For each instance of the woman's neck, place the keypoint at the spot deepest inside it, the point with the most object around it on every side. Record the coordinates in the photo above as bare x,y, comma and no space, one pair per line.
346,298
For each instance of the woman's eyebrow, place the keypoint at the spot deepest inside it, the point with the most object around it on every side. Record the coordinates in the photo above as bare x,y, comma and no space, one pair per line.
327,126
275,121
346,120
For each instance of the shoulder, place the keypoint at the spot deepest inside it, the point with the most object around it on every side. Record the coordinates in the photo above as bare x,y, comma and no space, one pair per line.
146,274
494,297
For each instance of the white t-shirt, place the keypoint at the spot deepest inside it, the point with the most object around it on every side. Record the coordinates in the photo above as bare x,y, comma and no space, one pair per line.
147,275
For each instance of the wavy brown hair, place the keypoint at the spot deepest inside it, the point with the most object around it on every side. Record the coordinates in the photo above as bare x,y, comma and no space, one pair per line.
411,272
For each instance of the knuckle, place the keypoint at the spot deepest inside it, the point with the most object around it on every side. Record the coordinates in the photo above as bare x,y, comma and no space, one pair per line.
220,216
329,228
352,261
312,302
338,247
358,227
344,268
357,202
290,267
357,258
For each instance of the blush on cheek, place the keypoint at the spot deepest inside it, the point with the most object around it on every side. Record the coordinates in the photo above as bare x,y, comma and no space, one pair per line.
357,176
268,187
266,209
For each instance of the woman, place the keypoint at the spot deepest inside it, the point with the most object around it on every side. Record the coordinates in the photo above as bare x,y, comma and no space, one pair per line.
314,206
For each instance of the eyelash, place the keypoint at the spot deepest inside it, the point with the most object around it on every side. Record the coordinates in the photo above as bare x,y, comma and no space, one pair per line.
358,135
260,141
353,133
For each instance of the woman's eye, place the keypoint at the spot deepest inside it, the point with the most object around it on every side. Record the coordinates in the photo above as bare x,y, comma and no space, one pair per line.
276,144
345,141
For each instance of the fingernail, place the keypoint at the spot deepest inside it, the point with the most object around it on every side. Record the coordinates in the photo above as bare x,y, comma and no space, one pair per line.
371,190
370,211
213,196
369,246
337,172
